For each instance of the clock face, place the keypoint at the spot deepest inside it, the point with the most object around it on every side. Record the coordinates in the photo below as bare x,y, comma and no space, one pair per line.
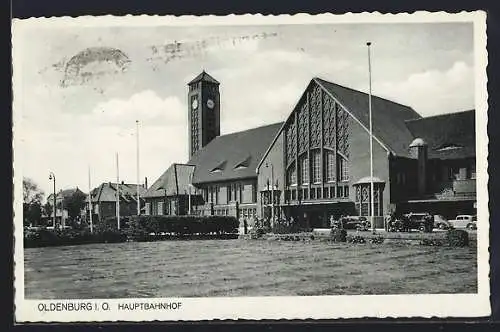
210,103
195,104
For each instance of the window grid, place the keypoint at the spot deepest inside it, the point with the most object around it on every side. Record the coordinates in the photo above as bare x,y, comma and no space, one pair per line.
304,170
316,167
343,169
292,176
330,166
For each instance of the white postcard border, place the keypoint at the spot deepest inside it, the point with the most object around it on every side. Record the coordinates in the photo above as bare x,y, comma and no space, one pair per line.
314,307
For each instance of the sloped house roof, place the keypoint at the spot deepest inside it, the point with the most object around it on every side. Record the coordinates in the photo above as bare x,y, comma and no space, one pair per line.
233,156
388,117
62,194
106,192
174,181
448,136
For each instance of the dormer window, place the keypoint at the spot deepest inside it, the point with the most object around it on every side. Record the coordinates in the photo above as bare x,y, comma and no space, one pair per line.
448,147
243,164
219,168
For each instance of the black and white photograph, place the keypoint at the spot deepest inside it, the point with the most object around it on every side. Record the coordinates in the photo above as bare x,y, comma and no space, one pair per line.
253,167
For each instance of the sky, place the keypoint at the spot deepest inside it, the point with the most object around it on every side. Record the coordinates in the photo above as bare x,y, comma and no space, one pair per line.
83,88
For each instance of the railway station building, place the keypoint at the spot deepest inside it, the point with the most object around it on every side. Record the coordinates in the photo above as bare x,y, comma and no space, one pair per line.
316,163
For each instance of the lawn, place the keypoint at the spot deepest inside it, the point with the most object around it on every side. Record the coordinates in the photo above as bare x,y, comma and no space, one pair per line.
246,268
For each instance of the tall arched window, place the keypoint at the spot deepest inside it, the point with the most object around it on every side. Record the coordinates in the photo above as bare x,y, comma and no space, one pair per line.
343,166
316,166
330,166
292,176
304,170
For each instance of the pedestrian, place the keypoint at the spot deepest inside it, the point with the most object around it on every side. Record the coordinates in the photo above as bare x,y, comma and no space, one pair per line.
332,221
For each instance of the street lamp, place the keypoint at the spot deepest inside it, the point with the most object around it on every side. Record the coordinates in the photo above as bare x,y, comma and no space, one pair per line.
53,177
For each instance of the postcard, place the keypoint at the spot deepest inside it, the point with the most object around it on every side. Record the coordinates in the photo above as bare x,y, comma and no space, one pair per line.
250,167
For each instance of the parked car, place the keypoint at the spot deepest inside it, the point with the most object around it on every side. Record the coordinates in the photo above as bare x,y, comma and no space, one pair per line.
421,221
441,222
464,221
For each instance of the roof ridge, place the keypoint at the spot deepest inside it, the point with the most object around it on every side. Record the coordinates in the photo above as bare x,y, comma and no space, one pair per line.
358,91
251,129
440,115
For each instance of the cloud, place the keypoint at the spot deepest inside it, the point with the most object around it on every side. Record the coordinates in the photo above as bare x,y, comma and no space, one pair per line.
65,130
433,92
145,106
68,144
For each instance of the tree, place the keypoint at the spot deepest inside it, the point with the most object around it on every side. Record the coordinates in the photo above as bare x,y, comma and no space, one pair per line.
32,202
47,209
74,204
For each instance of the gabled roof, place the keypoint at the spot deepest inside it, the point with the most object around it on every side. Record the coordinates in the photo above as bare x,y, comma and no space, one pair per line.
203,76
65,193
233,156
448,136
388,117
175,180
389,127
106,192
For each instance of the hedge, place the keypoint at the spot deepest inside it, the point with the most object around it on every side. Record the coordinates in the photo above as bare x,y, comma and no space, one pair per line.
141,226
137,228
457,238
338,235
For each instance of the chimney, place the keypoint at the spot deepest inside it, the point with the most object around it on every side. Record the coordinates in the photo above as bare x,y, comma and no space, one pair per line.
146,182
419,151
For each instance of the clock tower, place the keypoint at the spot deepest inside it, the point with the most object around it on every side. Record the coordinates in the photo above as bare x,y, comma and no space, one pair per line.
204,111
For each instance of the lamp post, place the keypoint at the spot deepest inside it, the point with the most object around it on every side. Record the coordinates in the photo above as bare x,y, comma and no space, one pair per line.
53,177
189,198
371,139
272,192
137,152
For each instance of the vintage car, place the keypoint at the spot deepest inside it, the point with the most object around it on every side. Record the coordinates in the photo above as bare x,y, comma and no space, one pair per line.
441,222
464,221
422,221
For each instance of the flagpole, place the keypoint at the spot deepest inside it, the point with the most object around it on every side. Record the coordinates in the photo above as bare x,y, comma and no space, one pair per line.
138,192
371,139
90,205
117,193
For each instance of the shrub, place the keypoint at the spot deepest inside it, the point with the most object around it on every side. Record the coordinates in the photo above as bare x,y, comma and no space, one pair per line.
141,226
338,235
379,239
457,238
356,239
256,232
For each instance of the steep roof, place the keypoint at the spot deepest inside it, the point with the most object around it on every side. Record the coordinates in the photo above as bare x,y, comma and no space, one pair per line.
106,192
233,156
205,77
65,193
448,136
388,117
175,180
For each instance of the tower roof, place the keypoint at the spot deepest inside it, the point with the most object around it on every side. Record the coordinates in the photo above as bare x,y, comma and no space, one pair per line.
205,77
